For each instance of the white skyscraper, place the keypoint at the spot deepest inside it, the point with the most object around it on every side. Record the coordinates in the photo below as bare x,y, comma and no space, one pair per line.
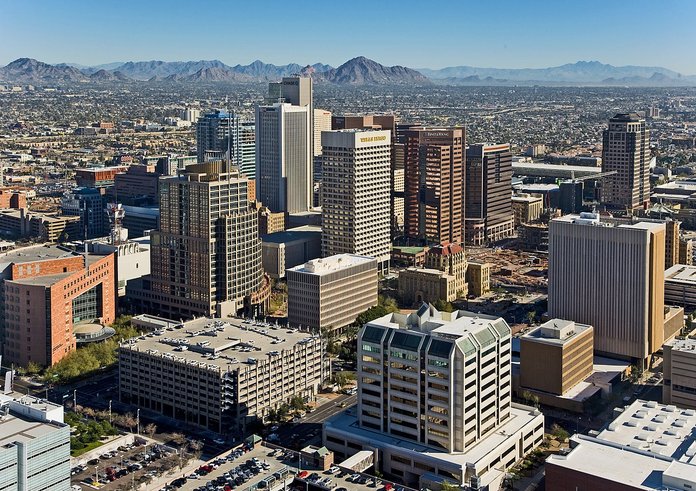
356,166
284,157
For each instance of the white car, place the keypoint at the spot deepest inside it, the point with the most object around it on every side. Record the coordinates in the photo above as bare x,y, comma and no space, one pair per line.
334,470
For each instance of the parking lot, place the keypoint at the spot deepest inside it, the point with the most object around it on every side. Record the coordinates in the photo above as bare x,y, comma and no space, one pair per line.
266,468
239,470
126,466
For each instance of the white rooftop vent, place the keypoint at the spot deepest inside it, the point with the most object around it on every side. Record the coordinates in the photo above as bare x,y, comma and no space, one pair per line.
632,424
651,404
662,442
671,408
689,412
651,428
644,437
640,414
660,418
679,423
674,433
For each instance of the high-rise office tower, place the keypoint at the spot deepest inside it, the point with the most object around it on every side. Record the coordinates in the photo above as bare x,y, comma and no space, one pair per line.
488,193
206,255
218,132
284,157
89,205
610,276
355,196
322,122
434,181
626,150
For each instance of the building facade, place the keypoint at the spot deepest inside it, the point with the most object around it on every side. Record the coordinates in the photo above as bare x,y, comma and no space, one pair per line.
331,292
34,445
556,356
478,277
355,198
205,258
218,133
434,184
626,151
89,205
679,373
442,278
44,292
488,193
611,277
680,286
526,208
220,375
284,157
434,399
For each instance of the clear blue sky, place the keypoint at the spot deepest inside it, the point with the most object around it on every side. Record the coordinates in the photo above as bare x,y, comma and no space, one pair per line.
423,33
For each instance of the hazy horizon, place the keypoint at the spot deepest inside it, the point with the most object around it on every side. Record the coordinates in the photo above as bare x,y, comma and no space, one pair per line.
500,34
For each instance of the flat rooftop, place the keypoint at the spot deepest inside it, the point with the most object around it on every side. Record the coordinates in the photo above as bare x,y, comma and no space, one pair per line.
557,332
331,264
14,428
681,273
631,469
36,253
688,344
220,344
289,236
659,429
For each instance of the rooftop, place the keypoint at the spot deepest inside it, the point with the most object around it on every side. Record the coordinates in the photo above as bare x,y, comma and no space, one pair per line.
681,273
657,429
28,418
688,344
332,264
594,219
556,332
445,249
290,236
219,344
36,253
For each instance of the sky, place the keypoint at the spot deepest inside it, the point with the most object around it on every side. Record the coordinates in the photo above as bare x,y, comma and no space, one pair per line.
417,34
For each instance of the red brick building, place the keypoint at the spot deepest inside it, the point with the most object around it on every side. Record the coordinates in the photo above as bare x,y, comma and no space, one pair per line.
44,292
10,198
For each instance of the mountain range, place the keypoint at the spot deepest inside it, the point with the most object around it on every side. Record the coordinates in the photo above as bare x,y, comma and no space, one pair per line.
357,71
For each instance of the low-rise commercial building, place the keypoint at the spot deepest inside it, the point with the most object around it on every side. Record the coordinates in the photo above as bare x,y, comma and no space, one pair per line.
556,356
285,250
526,208
331,292
34,445
43,227
44,292
679,373
649,446
132,259
434,400
220,374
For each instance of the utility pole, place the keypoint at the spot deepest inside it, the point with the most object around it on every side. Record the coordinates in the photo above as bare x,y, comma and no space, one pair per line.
109,411
137,418
75,400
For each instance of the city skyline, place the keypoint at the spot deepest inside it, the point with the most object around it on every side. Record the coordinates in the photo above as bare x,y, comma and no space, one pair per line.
533,35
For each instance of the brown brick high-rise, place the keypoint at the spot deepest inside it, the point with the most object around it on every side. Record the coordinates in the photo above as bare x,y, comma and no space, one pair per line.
434,184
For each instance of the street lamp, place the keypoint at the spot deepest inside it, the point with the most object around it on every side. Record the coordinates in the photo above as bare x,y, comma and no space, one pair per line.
137,418
109,411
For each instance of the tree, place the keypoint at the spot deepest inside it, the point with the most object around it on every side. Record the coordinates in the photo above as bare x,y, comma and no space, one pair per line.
559,433
370,314
532,399
297,403
343,378
531,316
33,368
150,430
448,486
443,305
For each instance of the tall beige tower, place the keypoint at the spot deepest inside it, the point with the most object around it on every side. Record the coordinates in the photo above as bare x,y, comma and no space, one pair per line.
611,277
356,183
626,150
284,157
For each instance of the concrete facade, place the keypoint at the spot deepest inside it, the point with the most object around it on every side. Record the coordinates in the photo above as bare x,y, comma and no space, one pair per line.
285,250
284,157
679,373
556,356
478,276
680,286
434,398
331,292
356,194
220,374
526,208
34,445
610,277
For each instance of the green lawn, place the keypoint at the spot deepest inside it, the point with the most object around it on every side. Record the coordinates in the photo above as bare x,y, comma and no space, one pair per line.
87,448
